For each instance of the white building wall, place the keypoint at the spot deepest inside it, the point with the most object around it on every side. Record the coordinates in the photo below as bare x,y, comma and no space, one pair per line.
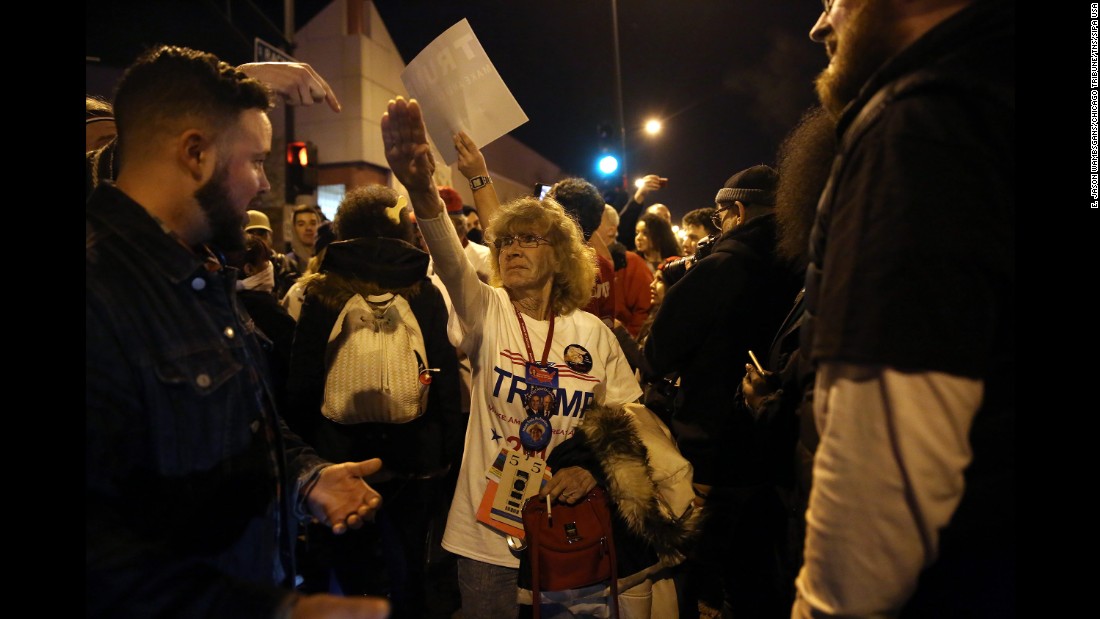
365,72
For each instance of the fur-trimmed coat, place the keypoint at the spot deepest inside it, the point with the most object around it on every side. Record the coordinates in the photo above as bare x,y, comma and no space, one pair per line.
648,535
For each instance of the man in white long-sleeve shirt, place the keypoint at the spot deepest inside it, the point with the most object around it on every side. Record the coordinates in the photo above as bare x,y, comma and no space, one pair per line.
911,315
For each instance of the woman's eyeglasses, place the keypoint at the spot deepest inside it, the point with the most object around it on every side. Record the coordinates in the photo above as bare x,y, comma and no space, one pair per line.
528,241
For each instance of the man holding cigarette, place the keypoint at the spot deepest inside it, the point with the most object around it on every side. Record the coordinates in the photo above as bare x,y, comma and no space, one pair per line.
730,302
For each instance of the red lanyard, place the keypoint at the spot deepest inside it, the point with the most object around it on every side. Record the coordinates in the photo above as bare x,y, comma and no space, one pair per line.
527,338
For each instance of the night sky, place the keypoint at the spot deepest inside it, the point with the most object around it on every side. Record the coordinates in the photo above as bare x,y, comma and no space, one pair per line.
728,78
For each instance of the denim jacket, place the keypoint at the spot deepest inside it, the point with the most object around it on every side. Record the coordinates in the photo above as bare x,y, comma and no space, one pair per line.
192,480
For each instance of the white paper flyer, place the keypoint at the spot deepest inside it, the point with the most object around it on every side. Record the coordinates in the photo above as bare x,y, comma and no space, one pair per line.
459,90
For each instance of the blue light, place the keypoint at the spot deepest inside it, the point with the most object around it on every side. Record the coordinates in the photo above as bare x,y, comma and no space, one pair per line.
608,164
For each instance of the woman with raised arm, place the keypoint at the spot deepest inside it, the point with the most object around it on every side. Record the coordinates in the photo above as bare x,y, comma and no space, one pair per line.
538,362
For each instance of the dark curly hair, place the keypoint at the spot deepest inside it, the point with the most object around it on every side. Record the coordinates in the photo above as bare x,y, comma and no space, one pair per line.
582,200
367,212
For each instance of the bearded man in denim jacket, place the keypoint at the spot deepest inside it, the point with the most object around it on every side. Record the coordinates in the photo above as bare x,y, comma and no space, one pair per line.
194,485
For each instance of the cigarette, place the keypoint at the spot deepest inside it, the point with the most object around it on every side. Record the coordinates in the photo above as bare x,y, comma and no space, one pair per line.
549,512
756,363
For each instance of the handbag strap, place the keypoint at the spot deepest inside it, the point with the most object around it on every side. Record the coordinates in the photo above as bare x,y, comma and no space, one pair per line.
604,514
536,593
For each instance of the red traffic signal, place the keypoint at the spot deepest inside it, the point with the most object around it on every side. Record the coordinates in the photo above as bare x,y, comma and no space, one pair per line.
301,169
298,153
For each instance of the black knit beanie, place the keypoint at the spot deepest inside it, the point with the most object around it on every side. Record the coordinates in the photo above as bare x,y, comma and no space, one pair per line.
755,185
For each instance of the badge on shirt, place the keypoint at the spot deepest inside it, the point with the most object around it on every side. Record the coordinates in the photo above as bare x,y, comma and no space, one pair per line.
578,358
542,376
534,433
540,402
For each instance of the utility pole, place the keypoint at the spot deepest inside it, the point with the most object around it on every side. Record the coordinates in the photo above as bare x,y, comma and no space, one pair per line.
619,88
288,34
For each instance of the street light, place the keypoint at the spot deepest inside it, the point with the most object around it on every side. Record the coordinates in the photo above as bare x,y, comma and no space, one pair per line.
652,126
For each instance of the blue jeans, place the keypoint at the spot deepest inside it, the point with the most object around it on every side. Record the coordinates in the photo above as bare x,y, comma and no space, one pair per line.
488,591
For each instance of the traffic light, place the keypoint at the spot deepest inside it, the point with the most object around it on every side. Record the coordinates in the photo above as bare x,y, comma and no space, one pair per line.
301,169
608,164
607,160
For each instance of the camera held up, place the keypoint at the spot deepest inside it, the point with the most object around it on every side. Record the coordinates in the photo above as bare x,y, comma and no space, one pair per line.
674,271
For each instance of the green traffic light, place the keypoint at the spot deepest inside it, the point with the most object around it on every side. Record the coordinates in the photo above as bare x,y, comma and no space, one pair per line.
608,164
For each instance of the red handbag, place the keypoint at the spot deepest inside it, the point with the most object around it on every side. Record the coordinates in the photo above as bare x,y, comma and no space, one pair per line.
571,547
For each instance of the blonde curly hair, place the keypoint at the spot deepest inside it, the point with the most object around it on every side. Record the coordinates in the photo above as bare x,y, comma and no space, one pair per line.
576,271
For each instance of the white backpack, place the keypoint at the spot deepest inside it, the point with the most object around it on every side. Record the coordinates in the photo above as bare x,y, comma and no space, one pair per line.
373,363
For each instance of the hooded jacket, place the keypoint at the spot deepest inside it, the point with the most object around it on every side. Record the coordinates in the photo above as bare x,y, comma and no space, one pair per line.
376,266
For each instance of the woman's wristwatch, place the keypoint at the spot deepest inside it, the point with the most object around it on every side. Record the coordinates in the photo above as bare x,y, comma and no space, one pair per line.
479,181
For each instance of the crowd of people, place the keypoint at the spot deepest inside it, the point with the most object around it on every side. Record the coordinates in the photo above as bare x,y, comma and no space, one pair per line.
834,360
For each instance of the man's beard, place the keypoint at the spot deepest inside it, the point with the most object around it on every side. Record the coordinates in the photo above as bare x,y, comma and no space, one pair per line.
805,159
226,224
866,44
